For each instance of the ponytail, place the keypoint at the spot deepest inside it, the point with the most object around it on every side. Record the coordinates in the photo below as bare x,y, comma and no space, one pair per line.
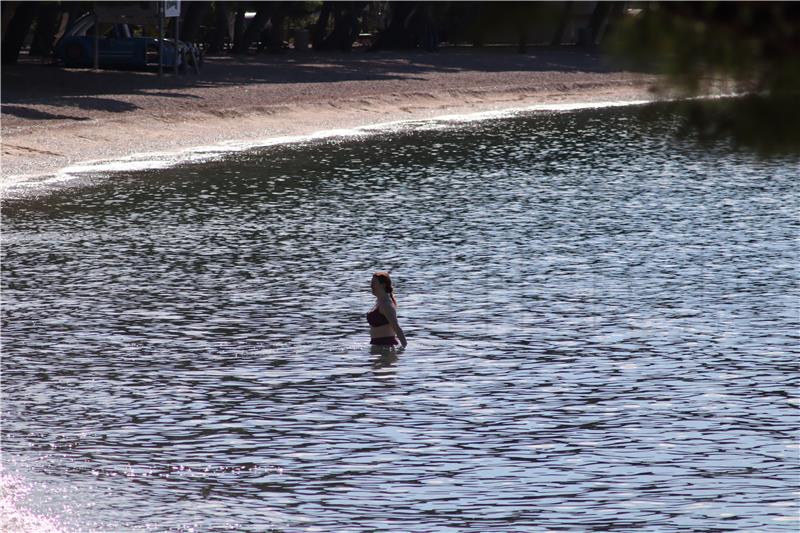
386,281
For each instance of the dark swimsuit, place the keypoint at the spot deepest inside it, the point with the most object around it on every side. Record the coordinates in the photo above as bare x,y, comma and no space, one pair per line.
376,319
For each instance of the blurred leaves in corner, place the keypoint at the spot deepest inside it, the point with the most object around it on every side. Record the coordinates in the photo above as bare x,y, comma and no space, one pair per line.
718,48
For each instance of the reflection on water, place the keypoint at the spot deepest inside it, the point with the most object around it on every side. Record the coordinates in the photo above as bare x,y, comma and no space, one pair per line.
602,331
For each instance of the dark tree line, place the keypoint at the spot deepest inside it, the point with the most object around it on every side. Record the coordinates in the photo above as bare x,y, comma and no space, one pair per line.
747,47
331,25
754,45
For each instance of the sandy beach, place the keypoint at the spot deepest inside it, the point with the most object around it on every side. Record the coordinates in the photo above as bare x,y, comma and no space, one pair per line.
53,118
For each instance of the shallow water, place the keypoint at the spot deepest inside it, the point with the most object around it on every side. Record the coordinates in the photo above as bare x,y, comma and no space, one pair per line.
603,330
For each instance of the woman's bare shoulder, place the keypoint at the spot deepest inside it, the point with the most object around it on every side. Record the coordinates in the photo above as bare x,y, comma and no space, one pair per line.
386,305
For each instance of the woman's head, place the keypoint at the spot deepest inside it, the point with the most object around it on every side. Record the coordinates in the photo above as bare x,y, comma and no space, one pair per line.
381,282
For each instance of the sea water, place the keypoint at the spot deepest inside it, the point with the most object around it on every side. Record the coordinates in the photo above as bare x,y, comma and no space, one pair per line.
602,322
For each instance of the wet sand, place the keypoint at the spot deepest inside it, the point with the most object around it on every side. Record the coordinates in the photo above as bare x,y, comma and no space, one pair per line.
54,118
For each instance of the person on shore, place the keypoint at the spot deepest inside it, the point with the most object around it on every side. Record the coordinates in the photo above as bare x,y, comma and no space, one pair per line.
384,329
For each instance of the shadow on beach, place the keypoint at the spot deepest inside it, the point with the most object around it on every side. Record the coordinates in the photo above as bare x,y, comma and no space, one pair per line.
32,83
110,114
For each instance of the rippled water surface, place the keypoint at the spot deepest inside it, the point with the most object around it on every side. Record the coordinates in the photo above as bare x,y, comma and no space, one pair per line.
602,323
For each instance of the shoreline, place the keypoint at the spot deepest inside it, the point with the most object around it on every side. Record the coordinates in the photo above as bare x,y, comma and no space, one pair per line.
233,102
198,154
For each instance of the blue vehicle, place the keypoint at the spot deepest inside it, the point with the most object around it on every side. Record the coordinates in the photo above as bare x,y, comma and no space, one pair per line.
119,47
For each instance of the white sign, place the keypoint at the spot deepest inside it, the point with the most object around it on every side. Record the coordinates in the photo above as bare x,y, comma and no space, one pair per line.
172,8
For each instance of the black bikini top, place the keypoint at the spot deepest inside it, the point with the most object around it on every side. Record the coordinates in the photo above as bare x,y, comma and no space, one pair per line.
376,318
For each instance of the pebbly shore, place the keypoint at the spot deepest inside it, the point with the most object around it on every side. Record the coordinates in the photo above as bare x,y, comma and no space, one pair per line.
53,118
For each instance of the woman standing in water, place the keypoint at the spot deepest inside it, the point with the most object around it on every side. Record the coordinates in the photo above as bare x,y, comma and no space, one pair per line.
383,317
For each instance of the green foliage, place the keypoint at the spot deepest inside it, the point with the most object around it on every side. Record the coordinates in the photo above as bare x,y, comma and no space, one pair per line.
301,14
751,48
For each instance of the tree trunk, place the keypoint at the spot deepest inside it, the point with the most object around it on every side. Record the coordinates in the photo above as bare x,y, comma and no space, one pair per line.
254,28
562,24
430,30
276,36
8,10
399,33
221,30
478,24
17,31
345,26
320,29
238,25
46,29
599,20
192,19
616,11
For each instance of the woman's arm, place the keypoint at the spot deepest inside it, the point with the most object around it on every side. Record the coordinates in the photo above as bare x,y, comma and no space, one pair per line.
389,312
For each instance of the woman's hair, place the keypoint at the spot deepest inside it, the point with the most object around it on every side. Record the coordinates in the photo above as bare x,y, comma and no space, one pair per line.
386,281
